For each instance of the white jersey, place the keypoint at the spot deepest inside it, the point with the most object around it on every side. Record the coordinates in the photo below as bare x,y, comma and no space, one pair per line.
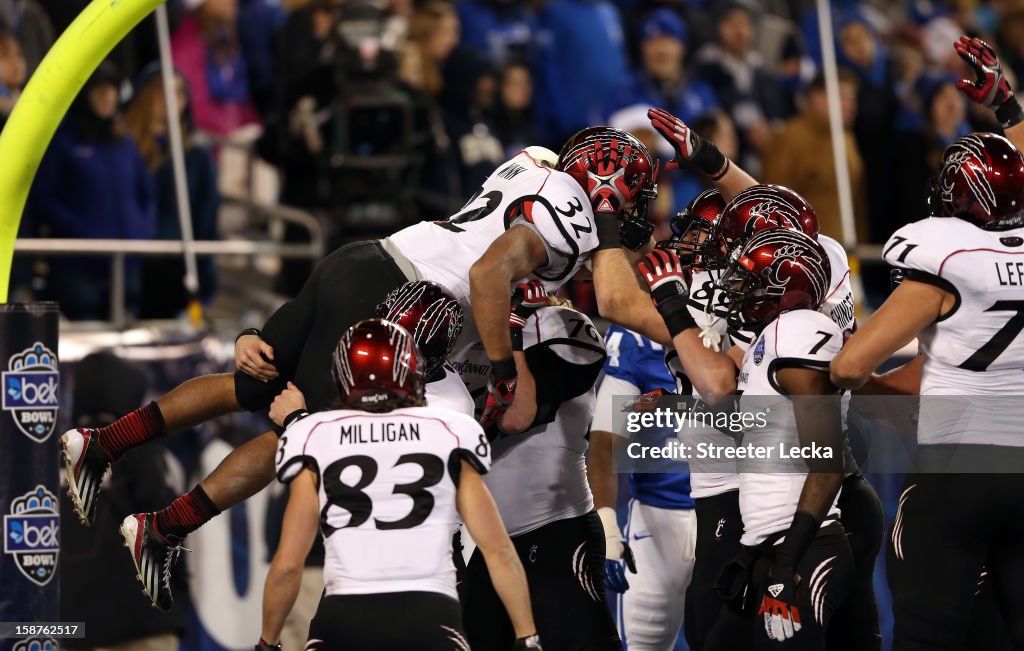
977,348
540,476
706,479
839,302
387,485
768,500
449,393
520,191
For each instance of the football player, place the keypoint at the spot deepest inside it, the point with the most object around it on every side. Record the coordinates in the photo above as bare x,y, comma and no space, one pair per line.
385,479
961,300
797,563
539,482
752,208
427,310
661,527
528,220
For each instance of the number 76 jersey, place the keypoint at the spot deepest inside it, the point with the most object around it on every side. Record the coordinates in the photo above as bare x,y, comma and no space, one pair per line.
386,484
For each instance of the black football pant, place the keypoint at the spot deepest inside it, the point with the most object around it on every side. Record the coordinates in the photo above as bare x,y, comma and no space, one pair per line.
826,572
564,563
949,529
719,527
390,621
855,626
343,289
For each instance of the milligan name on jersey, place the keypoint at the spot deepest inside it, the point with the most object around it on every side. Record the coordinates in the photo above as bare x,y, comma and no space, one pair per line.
385,432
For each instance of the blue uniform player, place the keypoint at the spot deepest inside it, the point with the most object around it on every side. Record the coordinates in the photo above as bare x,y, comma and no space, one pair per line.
661,528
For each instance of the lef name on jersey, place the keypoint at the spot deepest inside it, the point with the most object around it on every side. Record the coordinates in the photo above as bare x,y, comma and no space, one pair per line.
386,482
769,496
519,192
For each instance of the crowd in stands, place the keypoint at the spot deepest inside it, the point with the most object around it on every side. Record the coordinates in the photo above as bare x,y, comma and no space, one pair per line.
372,129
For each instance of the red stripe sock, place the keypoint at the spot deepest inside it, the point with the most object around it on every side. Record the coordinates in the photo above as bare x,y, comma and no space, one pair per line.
141,425
186,514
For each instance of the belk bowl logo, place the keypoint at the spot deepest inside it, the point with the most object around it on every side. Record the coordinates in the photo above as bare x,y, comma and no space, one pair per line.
759,352
30,391
36,644
32,534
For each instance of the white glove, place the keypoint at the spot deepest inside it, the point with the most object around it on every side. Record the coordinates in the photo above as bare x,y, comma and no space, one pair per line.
612,535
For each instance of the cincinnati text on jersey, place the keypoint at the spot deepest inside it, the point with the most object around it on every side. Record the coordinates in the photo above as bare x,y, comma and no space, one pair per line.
385,432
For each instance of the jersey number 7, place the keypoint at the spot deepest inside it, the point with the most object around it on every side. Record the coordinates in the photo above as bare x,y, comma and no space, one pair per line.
1001,340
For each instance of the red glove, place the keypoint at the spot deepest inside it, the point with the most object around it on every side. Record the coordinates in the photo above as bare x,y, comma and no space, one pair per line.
527,298
646,402
501,389
669,283
991,88
691,149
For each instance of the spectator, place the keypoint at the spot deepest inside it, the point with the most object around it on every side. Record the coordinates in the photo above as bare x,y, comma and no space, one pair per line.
468,102
1011,38
499,30
662,81
31,26
206,49
919,153
514,119
146,123
93,183
106,388
12,73
434,31
579,60
801,156
258,23
860,49
735,70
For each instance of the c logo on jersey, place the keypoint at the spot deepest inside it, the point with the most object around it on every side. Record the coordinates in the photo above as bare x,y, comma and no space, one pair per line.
30,391
32,534
718,529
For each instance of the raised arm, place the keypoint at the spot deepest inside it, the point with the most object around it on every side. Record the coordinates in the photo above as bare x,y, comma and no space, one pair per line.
990,87
695,152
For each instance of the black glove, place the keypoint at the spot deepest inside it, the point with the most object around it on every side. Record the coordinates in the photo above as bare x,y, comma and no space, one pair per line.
733,579
528,642
778,604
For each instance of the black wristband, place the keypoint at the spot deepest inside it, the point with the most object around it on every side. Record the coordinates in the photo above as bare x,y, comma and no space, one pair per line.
709,159
676,314
298,414
503,369
517,339
247,331
799,537
1010,113
607,226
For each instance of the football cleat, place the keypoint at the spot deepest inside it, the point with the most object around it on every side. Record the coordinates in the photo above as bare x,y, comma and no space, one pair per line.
85,463
154,556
